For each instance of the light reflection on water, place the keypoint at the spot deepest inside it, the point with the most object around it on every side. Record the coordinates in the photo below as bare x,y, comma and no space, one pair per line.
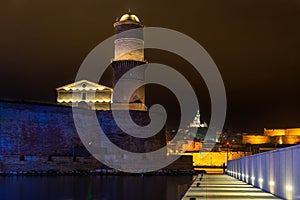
93,187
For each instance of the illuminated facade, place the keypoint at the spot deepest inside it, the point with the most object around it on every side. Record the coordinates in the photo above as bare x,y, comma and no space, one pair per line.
274,136
197,122
85,94
129,53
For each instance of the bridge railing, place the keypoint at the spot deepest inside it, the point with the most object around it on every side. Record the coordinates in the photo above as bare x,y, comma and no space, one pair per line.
277,172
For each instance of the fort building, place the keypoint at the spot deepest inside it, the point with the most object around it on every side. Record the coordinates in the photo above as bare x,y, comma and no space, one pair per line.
288,136
85,94
43,137
128,53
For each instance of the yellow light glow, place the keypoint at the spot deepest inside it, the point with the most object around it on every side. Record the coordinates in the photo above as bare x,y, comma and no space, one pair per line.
289,188
135,18
129,17
260,180
271,183
72,93
124,17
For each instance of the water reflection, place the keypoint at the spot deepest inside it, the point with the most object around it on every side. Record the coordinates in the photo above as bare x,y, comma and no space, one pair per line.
94,187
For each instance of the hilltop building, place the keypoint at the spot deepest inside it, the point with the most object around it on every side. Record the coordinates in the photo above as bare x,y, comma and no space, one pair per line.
192,142
198,122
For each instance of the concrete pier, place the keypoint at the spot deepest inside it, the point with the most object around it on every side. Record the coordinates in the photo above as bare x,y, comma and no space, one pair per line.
211,186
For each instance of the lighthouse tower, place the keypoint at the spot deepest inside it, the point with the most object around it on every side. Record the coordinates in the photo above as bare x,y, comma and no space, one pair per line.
129,53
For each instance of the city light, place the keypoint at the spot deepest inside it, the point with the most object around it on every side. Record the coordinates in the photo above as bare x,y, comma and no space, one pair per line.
271,183
289,188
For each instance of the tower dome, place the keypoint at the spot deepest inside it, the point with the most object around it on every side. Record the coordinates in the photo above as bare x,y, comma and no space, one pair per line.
129,16
129,53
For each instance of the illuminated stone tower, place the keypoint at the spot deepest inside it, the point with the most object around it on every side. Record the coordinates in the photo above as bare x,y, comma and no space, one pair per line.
129,53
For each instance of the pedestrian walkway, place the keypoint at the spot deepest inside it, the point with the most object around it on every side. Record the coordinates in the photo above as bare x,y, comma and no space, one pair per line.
219,187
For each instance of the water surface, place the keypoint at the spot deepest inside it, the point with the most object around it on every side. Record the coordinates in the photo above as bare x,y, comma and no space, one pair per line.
93,187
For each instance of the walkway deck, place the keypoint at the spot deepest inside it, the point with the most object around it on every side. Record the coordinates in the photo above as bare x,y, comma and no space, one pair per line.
224,187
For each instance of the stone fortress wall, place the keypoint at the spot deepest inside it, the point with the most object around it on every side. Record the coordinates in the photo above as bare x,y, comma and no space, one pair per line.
278,132
36,129
43,137
275,136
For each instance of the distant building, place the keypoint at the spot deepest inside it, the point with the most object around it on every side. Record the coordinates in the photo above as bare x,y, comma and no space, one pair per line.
192,146
194,134
289,136
85,94
198,122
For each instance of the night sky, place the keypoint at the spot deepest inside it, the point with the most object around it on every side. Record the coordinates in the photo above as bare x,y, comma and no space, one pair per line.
255,44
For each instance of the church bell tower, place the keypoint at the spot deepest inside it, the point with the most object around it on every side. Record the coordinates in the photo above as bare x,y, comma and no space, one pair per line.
129,53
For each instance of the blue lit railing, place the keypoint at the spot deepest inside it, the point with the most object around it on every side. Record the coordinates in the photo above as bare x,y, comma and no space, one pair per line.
277,172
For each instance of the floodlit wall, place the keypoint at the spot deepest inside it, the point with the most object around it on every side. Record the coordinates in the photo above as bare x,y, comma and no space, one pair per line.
275,171
274,132
32,129
256,139
278,132
275,136
214,158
